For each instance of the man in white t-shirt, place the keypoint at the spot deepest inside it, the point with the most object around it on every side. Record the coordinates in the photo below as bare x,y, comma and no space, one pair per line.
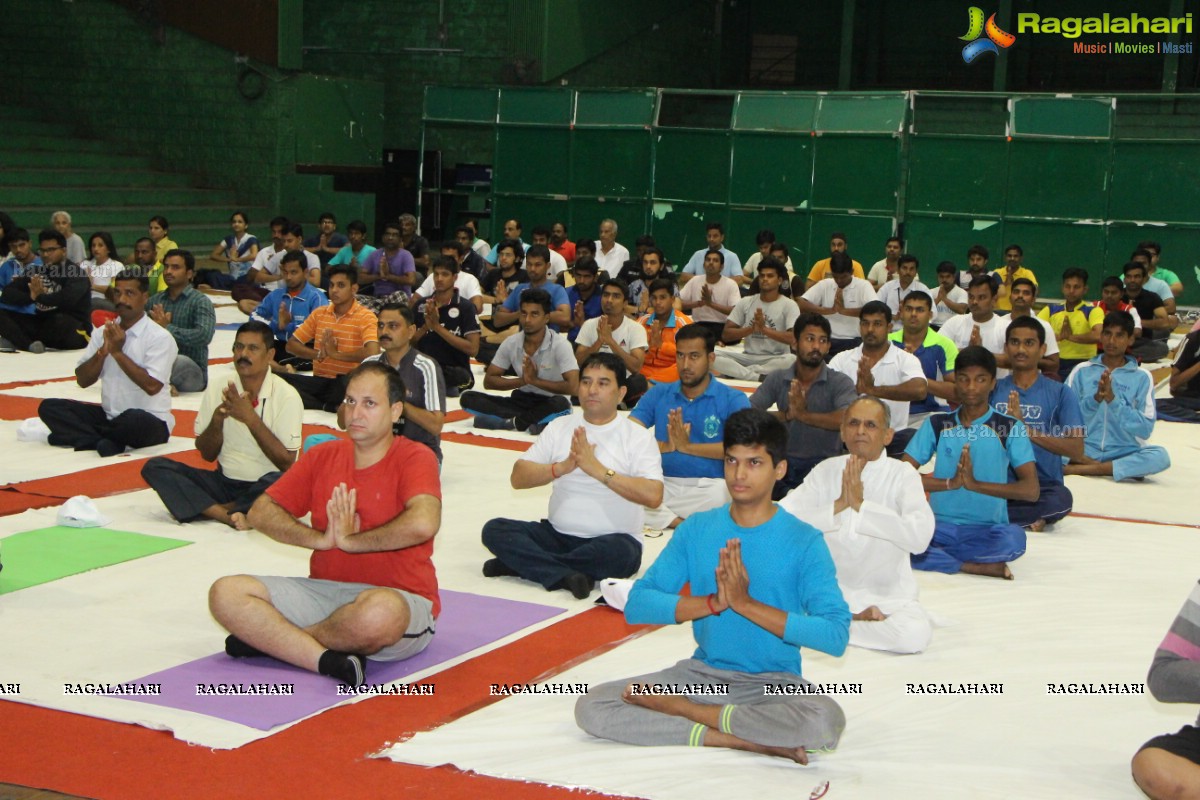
983,326
894,291
881,370
885,268
610,254
875,517
604,469
467,284
950,299
613,332
558,264
840,297
709,301
764,323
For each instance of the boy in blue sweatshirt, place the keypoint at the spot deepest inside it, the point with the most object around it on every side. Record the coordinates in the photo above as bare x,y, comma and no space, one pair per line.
763,585
1117,399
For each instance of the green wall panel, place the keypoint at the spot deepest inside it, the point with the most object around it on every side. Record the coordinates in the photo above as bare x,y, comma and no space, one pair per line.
1180,254
1065,179
850,114
533,161
692,165
1062,116
1156,181
532,211
538,106
460,104
771,169
936,239
609,109
349,129
856,172
775,112
611,163
958,175
1052,247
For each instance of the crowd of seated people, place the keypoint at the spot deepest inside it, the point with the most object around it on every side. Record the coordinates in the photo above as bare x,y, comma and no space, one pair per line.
862,378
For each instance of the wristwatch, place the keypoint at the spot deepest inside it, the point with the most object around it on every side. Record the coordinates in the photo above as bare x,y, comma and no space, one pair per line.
608,475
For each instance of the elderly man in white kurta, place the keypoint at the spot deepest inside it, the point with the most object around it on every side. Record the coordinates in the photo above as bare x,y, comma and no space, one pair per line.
874,514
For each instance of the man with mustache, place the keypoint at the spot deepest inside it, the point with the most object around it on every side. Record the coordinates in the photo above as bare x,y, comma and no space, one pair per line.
249,423
132,358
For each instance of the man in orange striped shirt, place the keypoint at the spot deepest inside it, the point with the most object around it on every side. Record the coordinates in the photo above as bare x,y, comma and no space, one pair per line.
661,324
342,333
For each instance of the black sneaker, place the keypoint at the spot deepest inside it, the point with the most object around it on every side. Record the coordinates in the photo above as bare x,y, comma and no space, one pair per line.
349,668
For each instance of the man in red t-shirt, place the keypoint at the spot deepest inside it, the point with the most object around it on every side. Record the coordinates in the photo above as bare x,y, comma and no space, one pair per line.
376,506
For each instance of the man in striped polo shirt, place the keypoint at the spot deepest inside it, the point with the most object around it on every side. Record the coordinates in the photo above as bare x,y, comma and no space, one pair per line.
424,385
343,333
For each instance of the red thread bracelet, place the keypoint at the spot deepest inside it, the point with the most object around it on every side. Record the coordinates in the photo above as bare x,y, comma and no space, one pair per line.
711,608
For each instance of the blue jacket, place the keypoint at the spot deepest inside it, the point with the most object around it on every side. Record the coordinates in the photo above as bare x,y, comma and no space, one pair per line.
300,306
1124,424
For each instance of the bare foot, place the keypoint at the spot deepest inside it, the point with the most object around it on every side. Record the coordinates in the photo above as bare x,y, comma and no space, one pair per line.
662,703
714,738
1038,526
174,392
237,520
870,614
997,570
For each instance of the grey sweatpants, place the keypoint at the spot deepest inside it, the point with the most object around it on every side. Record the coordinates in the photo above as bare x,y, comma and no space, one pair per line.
811,721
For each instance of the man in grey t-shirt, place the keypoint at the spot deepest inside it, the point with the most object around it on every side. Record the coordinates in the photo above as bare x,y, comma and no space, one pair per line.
764,321
810,398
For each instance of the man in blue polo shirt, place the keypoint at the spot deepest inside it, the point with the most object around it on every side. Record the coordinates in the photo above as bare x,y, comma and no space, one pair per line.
688,417
1051,413
935,352
537,266
714,235
285,308
969,487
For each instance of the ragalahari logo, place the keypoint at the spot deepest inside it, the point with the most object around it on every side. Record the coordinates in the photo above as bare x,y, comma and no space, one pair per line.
996,40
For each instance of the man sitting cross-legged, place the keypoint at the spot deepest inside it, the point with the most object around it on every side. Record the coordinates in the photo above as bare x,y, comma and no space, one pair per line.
546,374
809,397
875,517
688,417
969,487
1050,411
131,356
603,469
762,585
764,322
613,332
376,505
249,423
1117,399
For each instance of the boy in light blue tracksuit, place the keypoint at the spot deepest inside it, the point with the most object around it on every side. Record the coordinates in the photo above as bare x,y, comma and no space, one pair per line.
1117,400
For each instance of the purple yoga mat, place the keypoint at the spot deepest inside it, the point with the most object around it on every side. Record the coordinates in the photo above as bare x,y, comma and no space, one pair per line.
467,621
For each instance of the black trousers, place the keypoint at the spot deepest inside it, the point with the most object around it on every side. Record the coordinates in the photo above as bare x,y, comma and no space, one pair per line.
186,491
53,329
528,408
86,427
322,394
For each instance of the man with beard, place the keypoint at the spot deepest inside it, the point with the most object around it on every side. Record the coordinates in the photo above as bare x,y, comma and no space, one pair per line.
249,423
61,294
688,417
132,357
187,314
809,398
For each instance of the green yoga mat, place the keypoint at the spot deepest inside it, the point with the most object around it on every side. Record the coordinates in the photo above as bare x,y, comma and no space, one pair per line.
47,554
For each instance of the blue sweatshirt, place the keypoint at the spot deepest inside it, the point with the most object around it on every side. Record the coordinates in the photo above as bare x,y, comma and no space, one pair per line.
789,567
1125,424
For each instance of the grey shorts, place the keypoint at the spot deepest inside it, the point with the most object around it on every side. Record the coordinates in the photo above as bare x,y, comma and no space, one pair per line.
307,601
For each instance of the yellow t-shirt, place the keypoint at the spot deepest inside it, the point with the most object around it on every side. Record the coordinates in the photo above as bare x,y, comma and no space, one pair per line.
820,270
1085,317
1003,301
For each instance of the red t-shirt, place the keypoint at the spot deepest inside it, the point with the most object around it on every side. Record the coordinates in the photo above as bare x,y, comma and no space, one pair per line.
566,250
409,469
